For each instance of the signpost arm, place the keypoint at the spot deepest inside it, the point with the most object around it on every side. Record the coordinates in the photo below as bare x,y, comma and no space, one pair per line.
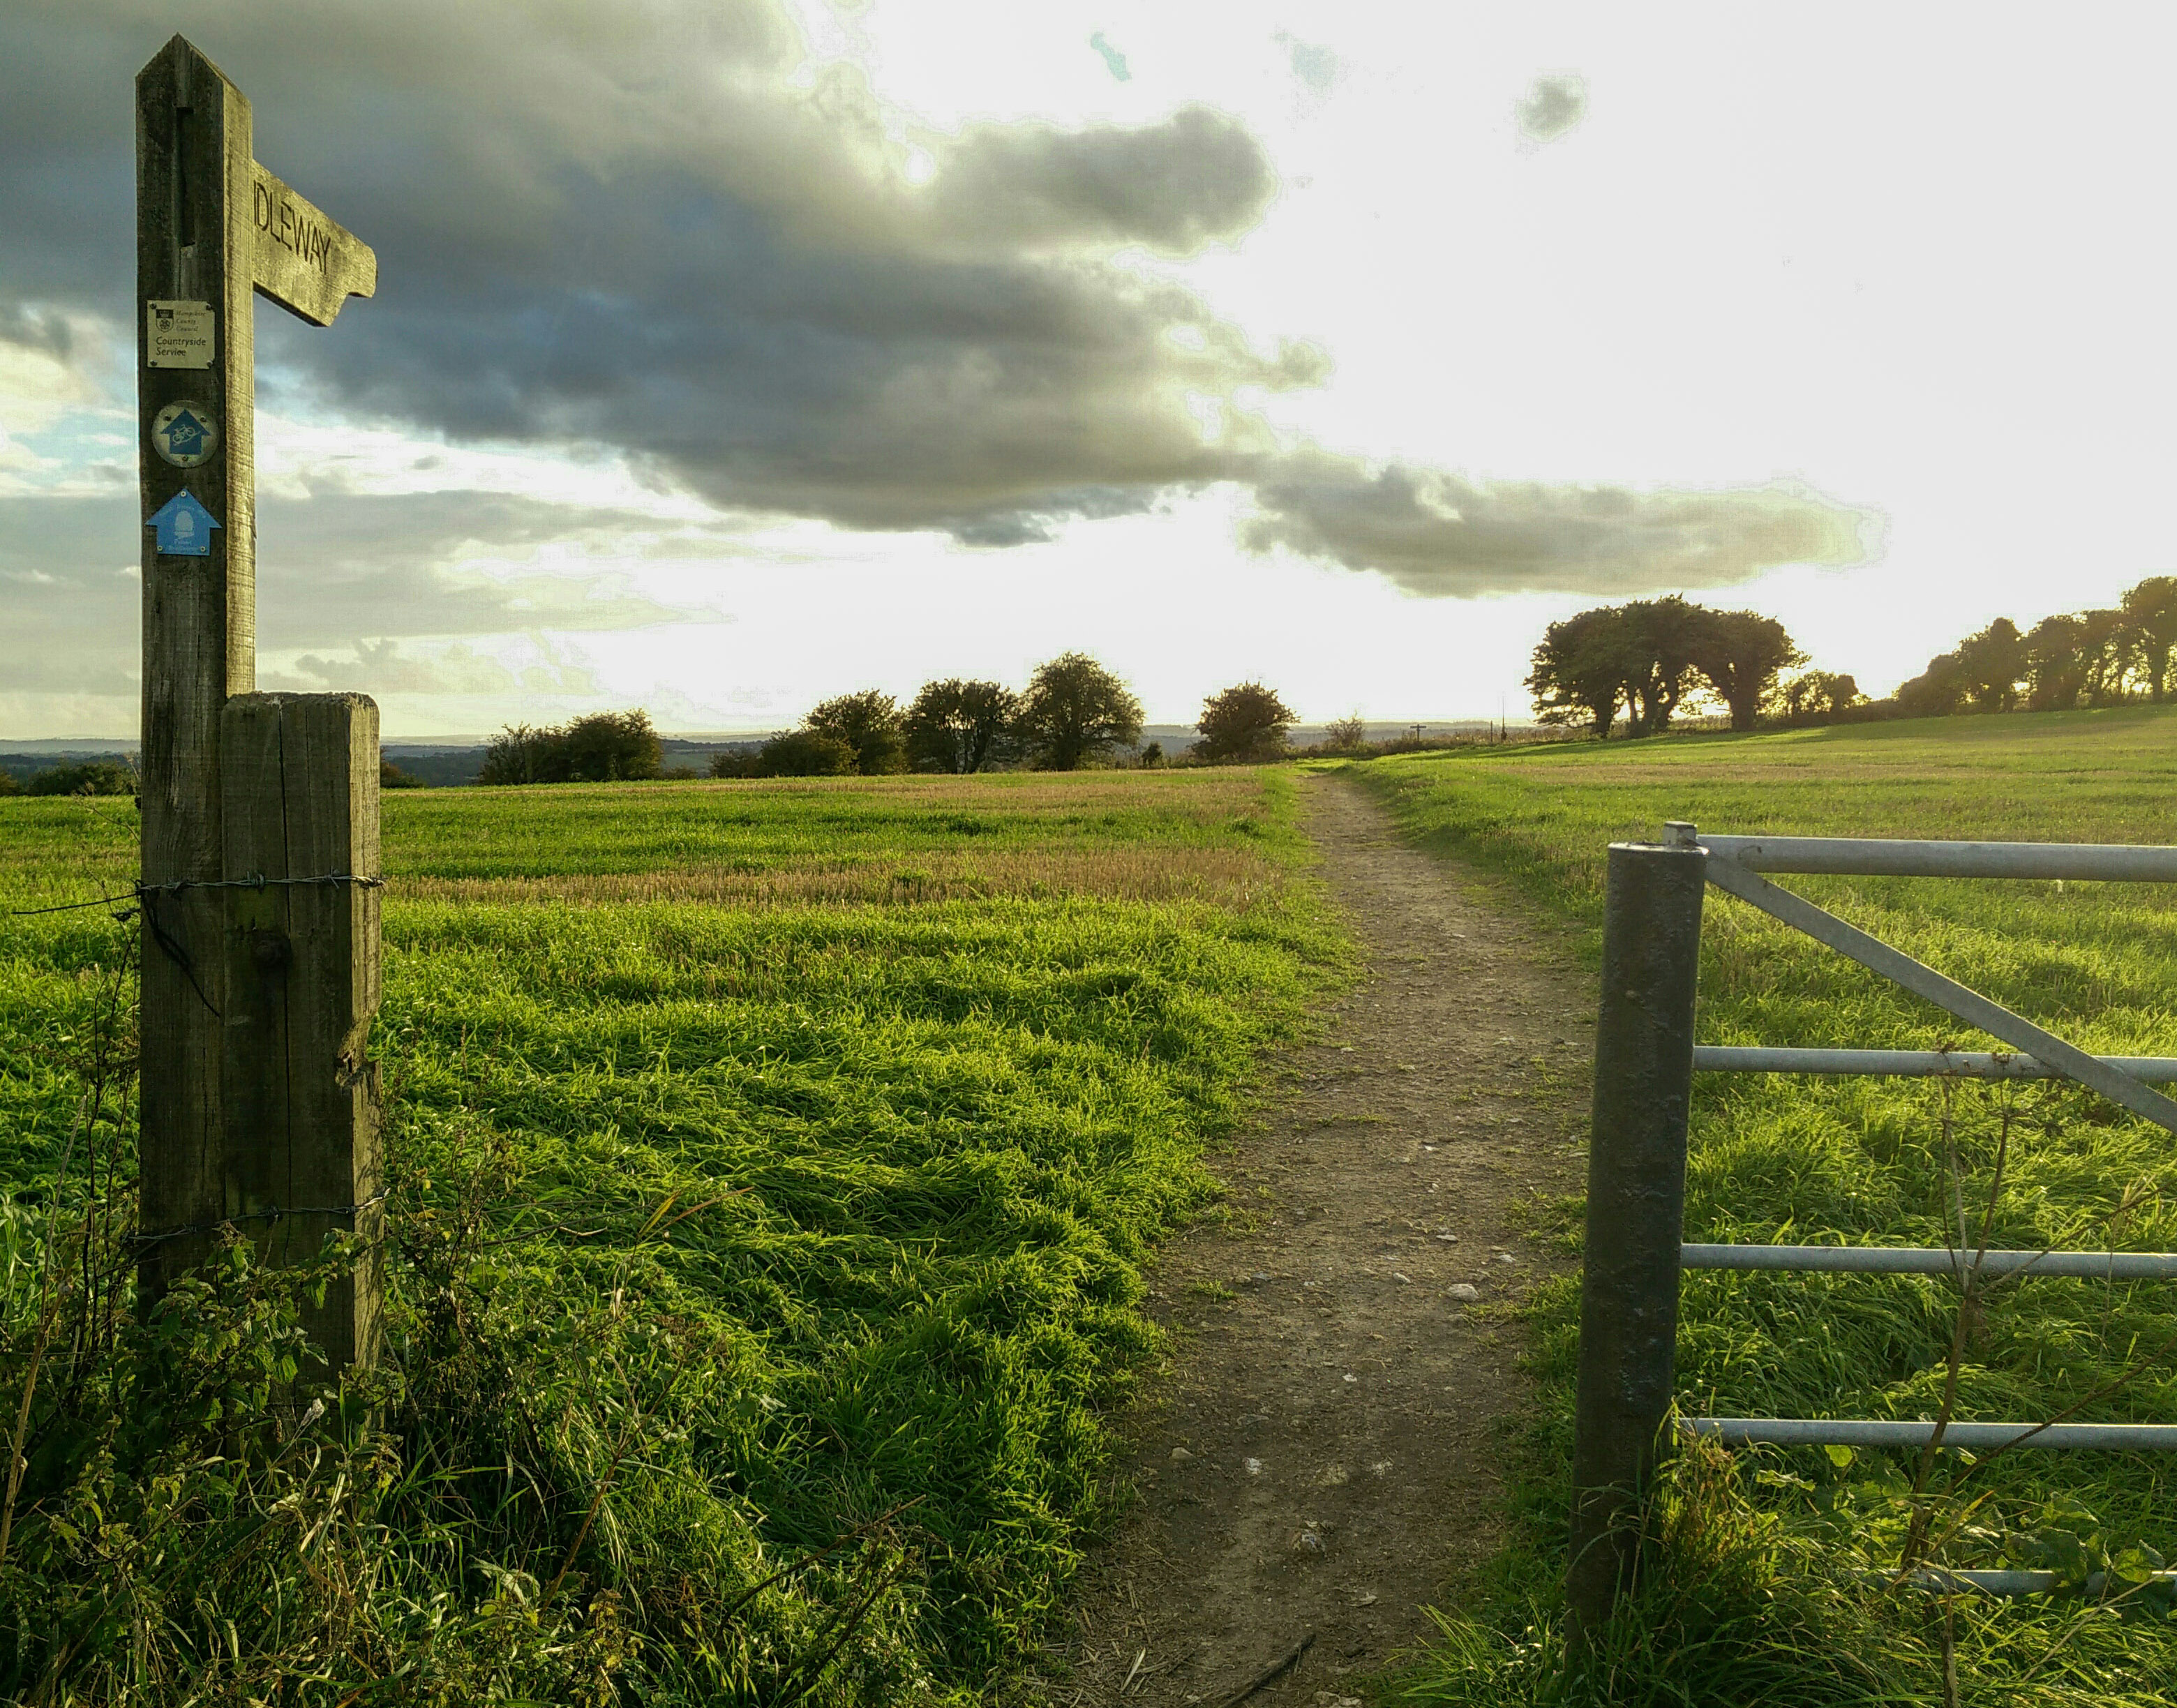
192,204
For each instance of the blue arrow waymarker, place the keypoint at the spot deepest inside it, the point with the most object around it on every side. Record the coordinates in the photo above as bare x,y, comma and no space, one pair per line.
184,527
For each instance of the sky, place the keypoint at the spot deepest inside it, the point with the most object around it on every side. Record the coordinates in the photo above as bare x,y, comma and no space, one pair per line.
730,354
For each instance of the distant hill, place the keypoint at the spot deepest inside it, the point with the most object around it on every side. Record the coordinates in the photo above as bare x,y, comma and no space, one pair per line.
453,762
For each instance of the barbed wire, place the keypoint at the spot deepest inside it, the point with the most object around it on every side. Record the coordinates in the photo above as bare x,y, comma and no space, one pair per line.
255,880
191,1229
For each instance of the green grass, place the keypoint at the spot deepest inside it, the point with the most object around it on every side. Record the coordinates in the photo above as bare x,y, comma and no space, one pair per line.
775,1170
1754,1598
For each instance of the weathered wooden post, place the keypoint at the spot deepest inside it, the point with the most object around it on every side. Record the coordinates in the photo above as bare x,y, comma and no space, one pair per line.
1636,1188
256,1001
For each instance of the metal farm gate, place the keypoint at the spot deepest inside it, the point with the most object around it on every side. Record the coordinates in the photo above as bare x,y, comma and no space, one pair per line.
1645,1061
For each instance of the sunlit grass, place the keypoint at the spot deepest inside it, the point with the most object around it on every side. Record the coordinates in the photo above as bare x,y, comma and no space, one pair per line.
929,1063
1866,1161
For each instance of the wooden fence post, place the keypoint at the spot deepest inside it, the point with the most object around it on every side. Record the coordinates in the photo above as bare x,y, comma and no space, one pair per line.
302,1158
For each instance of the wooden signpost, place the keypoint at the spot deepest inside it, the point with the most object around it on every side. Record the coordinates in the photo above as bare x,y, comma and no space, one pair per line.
259,898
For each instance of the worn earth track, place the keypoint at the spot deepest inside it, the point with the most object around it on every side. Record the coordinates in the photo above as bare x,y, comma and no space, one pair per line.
1320,1455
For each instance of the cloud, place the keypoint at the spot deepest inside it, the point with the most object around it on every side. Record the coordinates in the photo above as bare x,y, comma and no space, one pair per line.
383,667
41,332
1114,61
1437,534
1174,187
1553,105
649,229
331,569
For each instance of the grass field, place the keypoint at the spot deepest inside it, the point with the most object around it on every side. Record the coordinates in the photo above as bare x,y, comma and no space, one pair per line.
1758,1598
773,1169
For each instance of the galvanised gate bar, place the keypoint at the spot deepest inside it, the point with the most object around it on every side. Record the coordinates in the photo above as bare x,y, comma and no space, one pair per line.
1645,1061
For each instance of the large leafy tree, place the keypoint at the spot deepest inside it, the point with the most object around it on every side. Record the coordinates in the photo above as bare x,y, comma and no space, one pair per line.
1245,722
1653,657
2151,608
1074,711
1814,696
1740,653
1578,672
2055,663
959,726
601,747
869,723
612,746
805,753
1937,691
1654,644
1992,664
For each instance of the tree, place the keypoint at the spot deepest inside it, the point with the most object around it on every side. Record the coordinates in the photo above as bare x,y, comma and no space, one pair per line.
805,753
960,727
1937,691
517,753
1345,734
1076,710
1654,643
610,747
1245,722
2151,608
869,723
391,775
1740,653
601,747
1578,672
1991,663
94,776
1815,696
2055,663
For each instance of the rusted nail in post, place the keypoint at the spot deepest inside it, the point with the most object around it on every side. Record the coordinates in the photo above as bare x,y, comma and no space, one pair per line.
1636,1175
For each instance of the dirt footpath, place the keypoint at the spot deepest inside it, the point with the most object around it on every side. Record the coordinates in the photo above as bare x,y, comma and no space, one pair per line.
1320,1457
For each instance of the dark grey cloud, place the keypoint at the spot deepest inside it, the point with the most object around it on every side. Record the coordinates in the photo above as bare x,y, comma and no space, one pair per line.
332,569
1553,105
1198,176
1435,534
47,333
641,225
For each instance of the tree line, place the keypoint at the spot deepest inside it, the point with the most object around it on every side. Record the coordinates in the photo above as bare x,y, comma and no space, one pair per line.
97,777
1073,712
2082,658
1651,659
1655,657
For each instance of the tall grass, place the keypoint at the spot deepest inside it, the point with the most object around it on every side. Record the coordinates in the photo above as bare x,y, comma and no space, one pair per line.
765,1262
1759,1588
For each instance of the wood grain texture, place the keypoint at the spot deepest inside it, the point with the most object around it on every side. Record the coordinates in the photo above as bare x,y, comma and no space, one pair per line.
301,259
193,156
300,800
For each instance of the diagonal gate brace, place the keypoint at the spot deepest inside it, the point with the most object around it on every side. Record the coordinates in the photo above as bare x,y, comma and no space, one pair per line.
1923,980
